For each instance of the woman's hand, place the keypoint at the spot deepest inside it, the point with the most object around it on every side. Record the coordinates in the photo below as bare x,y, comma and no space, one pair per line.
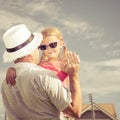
10,76
70,63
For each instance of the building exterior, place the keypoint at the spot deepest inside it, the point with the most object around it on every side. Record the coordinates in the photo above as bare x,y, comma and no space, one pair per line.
98,112
95,111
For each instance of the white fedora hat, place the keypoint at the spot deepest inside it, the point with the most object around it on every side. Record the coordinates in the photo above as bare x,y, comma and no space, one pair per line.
19,42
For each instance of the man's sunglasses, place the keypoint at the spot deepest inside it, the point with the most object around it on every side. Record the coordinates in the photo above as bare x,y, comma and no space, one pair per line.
51,45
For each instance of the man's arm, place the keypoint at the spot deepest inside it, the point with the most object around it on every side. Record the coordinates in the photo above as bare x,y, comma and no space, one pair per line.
74,109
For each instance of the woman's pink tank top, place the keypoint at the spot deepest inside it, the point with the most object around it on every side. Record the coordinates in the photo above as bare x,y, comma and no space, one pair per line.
55,67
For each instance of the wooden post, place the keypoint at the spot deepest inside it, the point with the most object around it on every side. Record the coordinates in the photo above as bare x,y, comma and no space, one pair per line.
92,106
5,116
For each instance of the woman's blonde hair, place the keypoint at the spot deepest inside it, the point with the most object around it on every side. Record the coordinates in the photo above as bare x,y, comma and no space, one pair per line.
53,31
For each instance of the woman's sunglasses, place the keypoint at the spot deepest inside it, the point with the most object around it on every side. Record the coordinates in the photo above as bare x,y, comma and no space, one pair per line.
51,45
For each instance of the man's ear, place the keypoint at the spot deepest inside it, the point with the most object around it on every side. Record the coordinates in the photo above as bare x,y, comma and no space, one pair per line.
32,53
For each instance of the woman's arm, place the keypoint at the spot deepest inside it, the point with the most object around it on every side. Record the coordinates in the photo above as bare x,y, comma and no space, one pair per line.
72,68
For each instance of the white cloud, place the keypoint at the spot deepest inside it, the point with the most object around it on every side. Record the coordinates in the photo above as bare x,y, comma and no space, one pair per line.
82,30
114,53
113,62
105,45
51,9
116,44
8,19
101,81
73,25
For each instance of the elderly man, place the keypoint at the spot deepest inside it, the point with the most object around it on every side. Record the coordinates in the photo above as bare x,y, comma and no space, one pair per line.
37,94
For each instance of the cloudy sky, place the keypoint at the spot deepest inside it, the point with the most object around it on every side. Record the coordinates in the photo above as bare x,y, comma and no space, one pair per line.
91,28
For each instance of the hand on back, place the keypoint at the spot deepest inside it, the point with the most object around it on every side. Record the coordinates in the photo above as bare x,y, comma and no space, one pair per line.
10,76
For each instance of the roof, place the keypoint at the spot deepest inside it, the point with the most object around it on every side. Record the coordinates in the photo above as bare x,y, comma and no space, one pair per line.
108,109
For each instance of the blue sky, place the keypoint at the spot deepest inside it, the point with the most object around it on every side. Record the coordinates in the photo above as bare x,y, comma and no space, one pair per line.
91,28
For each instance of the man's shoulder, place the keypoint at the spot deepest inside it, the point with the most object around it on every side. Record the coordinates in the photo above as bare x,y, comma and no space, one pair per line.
29,69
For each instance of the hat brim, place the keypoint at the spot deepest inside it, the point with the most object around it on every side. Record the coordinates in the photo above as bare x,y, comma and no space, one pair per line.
26,50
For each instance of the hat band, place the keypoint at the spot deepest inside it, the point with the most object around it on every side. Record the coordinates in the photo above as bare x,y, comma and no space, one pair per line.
21,45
